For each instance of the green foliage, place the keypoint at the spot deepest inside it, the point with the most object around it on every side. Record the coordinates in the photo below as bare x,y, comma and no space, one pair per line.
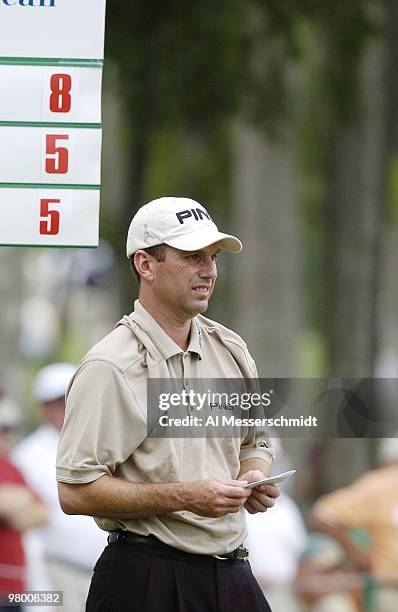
347,27
187,164
180,61
187,68
331,40
194,63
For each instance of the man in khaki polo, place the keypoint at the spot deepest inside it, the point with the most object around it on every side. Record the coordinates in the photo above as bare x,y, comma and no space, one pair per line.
174,506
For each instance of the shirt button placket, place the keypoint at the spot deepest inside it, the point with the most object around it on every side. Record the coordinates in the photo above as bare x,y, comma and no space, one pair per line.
185,381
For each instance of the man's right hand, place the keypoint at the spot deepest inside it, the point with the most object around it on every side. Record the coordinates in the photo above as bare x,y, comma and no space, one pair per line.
215,498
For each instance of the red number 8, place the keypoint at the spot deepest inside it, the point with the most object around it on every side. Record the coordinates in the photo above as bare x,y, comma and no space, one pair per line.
60,99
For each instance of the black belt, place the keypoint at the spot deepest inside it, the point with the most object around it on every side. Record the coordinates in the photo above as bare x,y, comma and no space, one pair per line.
239,554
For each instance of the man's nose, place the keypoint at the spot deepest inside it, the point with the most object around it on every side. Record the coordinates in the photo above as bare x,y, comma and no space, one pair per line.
208,268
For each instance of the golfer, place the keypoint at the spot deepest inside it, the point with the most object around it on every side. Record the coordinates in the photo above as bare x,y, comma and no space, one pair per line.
174,507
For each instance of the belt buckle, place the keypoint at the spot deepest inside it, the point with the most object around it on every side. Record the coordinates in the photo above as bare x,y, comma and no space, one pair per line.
241,554
121,536
116,536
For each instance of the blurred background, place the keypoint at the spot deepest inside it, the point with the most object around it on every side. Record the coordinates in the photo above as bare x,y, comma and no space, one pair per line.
280,117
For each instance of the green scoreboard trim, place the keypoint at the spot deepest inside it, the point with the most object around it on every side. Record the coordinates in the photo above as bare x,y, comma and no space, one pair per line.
47,186
52,61
50,246
93,126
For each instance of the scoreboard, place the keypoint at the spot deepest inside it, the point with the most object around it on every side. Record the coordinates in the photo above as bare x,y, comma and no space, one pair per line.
51,60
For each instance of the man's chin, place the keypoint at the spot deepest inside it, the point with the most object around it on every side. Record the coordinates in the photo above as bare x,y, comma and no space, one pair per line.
199,306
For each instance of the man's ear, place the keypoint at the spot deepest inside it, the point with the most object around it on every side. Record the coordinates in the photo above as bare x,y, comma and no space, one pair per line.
143,263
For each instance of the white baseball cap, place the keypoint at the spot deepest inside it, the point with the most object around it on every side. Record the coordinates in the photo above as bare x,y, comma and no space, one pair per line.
181,223
52,382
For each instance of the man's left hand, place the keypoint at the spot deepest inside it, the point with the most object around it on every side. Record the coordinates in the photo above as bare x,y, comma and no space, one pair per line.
263,496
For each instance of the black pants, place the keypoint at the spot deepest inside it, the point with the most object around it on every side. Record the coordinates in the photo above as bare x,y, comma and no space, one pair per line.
131,577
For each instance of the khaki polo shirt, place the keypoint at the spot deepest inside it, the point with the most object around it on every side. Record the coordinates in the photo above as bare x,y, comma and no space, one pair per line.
105,428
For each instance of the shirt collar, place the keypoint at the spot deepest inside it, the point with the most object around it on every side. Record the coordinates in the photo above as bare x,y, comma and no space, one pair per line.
166,345
195,341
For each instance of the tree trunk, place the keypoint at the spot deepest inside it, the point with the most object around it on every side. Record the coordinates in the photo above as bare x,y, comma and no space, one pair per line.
264,279
388,311
387,321
353,232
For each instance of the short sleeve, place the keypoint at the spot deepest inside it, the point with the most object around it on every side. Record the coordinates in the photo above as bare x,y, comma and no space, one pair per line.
257,445
104,424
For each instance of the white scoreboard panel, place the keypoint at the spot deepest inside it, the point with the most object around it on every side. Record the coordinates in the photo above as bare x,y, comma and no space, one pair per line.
50,93
50,217
51,155
52,28
51,59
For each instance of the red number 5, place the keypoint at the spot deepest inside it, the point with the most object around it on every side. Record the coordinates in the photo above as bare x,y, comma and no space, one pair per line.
57,159
49,219
60,99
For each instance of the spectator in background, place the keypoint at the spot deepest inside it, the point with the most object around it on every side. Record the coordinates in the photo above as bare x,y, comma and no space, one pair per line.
326,582
276,541
19,507
370,504
69,563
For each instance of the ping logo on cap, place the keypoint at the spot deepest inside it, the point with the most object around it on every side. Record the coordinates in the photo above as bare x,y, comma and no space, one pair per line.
197,213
